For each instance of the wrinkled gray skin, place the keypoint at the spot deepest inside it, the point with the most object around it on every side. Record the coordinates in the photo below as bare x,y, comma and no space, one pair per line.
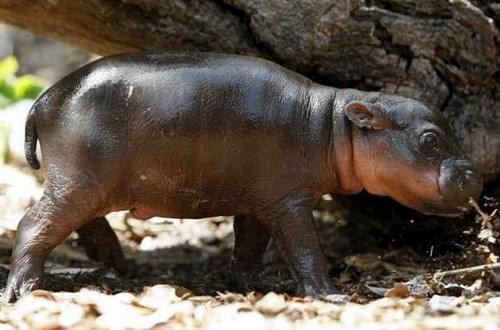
193,135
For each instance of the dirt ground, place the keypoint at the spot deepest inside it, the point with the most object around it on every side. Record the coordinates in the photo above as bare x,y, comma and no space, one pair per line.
179,276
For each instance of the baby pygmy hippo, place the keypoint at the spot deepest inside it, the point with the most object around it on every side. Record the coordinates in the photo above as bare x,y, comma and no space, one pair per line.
194,135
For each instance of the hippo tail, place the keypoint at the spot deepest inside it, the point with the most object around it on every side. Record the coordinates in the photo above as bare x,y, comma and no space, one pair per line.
30,139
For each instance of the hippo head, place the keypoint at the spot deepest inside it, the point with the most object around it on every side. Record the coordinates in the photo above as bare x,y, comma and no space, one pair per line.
405,150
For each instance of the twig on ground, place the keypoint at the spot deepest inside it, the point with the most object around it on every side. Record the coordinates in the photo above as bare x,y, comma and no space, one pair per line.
440,275
486,218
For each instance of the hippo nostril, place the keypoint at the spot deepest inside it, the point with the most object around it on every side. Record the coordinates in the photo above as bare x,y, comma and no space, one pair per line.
458,181
470,176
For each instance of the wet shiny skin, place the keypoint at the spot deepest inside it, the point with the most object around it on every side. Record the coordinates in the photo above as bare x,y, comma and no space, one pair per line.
193,135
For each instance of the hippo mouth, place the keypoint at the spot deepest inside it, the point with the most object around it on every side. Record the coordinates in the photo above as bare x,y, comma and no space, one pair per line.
431,209
439,204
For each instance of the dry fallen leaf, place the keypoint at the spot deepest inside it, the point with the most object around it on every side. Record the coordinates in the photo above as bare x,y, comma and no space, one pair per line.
399,290
444,304
377,290
271,304
419,288
43,294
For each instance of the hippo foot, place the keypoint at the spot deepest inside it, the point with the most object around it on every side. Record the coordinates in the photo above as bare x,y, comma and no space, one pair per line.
101,244
328,294
336,298
244,280
110,257
21,284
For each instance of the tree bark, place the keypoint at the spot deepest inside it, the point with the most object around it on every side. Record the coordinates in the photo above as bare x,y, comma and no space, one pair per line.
444,53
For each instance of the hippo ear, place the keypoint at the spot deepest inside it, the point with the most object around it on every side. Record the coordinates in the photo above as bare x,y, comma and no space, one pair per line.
367,115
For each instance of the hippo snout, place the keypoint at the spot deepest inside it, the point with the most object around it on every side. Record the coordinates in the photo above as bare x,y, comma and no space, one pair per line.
459,181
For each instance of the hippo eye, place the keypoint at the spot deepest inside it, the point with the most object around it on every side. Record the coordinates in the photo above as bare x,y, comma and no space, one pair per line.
429,142
428,139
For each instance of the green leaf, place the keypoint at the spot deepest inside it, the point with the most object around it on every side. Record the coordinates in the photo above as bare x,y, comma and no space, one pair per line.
8,66
27,87
6,89
4,135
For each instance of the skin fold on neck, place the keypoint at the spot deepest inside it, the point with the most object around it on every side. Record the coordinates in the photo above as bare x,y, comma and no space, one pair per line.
341,169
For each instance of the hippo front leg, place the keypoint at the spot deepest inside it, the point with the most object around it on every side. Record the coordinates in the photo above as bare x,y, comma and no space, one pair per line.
292,228
250,243
101,244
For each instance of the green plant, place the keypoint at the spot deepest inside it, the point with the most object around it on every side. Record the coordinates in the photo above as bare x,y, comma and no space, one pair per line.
14,88
4,148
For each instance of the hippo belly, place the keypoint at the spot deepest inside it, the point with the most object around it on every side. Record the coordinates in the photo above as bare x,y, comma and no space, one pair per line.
196,146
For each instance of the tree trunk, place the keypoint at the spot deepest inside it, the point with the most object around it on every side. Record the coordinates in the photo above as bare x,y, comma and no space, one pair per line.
444,53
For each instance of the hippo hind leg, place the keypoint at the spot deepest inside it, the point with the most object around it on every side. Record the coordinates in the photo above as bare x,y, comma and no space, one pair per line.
43,227
250,243
101,244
